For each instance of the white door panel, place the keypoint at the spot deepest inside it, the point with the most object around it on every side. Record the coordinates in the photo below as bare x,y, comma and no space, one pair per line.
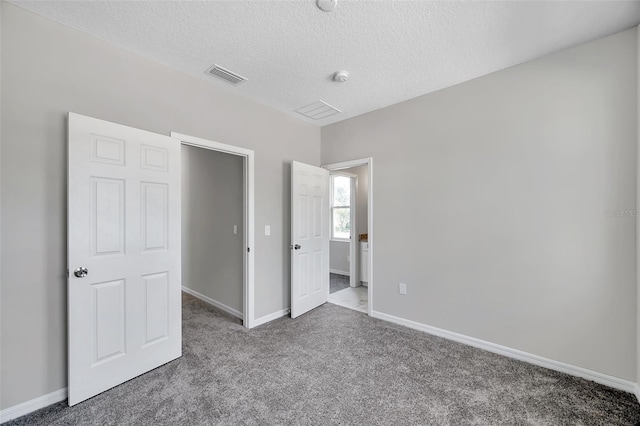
310,237
124,227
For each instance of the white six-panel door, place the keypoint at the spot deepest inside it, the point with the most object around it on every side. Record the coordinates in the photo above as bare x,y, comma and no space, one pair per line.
124,316
309,237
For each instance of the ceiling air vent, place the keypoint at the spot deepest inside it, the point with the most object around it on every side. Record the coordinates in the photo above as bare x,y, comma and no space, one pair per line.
318,110
226,75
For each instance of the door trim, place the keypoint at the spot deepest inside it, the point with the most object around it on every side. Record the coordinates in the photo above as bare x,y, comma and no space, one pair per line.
248,313
346,165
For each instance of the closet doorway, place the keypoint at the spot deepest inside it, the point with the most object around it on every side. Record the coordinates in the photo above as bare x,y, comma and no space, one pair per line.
217,225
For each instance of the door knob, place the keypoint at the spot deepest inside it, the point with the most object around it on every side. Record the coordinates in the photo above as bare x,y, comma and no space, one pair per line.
297,247
81,272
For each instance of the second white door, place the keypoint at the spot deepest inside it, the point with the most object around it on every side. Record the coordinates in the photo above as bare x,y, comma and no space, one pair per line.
309,237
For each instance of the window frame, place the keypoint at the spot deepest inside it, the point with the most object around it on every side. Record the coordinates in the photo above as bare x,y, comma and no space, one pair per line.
351,177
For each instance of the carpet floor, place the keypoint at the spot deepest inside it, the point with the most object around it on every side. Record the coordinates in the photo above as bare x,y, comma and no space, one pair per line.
338,366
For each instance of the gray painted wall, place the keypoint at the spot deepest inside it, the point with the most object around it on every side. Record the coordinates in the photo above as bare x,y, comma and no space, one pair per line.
212,203
1,250
362,196
48,70
638,218
490,202
338,256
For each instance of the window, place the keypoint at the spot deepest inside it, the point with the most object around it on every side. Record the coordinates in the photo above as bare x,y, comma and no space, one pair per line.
340,207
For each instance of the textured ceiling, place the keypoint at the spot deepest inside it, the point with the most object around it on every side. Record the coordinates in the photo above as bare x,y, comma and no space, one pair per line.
394,50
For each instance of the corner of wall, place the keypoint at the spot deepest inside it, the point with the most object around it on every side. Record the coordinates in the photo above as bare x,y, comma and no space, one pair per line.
638,218
1,7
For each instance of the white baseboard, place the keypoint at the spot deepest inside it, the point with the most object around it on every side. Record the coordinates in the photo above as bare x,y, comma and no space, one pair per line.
273,316
32,405
605,379
339,272
228,309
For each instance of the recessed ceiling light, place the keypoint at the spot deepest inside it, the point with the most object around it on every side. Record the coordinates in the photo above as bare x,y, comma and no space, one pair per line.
327,5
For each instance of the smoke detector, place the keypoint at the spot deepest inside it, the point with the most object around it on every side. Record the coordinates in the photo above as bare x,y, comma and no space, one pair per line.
326,5
341,76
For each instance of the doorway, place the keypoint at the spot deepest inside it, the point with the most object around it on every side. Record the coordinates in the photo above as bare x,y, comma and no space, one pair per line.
213,227
350,239
235,231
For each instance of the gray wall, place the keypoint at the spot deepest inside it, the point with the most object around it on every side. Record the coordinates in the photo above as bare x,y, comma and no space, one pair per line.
1,251
338,255
362,197
212,203
638,218
48,70
490,202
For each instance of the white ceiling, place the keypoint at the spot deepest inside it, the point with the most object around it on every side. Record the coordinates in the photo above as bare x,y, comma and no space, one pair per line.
394,50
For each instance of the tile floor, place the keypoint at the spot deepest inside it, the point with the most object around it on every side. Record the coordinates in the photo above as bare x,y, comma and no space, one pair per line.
356,298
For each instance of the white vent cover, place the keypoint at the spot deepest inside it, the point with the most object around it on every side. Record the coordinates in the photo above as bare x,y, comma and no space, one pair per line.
318,110
226,75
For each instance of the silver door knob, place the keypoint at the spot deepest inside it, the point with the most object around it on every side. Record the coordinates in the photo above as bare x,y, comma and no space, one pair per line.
297,247
81,272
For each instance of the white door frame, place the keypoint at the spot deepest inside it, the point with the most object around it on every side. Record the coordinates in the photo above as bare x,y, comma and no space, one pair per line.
248,313
347,165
